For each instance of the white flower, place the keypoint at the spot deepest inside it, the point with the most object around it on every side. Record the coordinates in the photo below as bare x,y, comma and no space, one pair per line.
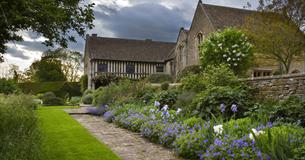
235,64
256,133
224,56
220,44
234,51
238,54
228,59
218,129
234,59
165,108
235,46
243,55
238,59
178,110
157,104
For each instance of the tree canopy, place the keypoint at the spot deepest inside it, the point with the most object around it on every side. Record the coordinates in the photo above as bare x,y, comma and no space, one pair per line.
275,37
55,20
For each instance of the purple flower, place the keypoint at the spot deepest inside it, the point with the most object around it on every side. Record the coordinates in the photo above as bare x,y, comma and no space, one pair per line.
234,108
222,107
269,124
218,142
157,104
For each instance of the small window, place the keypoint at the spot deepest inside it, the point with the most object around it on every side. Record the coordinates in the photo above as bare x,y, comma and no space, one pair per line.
102,68
200,38
130,69
160,68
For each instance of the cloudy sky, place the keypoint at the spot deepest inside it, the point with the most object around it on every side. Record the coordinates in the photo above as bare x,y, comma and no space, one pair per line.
136,19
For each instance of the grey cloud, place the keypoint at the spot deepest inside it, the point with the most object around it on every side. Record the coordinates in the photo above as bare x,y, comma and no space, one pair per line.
17,53
143,21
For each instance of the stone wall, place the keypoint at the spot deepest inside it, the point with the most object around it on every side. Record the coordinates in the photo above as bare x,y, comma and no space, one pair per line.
279,87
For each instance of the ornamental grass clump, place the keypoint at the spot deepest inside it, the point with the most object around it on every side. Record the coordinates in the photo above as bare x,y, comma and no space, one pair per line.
20,137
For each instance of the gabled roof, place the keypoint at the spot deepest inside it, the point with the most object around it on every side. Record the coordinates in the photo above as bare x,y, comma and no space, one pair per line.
222,17
128,49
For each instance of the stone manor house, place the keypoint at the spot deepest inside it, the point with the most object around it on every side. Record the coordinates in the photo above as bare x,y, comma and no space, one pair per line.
140,58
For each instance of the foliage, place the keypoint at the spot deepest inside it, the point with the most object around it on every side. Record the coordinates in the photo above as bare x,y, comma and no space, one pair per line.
165,86
159,78
290,110
47,70
143,90
192,82
184,101
167,98
74,101
87,99
193,69
61,89
220,75
50,99
8,86
70,62
83,83
220,100
230,47
293,9
275,38
112,93
19,133
56,20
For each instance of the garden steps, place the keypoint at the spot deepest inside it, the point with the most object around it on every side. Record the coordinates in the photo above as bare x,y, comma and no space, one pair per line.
126,144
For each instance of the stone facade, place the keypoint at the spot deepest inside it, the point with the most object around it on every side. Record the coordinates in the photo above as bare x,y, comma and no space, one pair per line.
279,87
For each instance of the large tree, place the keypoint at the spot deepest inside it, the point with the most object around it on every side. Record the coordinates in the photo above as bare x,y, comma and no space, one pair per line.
71,62
47,70
292,9
53,19
276,37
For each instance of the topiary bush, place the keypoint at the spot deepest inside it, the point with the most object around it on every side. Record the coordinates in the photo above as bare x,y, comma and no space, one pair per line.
165,86
230,47
8,86
50,99
159,78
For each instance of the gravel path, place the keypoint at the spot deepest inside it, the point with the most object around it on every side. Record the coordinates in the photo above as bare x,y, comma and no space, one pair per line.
128,145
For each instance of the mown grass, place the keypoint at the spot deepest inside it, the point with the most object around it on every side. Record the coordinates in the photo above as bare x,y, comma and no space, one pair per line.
65,139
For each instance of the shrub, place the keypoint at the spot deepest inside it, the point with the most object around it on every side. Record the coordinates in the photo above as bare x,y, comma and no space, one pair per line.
159,78
220,75
193,69
19,132
74,100
230,47
165,86
88,91
290,110
53,101
50,99
192,82
87,99
8,86
167,98
225,101
106,79
184,101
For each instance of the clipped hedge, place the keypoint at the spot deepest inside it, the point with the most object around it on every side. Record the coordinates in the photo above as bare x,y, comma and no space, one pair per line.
159,78
61,89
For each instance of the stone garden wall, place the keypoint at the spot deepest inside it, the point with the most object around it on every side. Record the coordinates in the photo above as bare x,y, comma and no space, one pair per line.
279,87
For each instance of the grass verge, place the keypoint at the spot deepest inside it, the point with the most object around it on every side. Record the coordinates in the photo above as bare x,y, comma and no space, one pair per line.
65,139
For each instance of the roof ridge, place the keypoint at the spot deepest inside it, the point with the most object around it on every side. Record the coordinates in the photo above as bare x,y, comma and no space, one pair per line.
130,39
228,7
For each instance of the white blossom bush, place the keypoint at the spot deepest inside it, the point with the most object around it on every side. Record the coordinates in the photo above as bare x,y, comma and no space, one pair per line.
230,47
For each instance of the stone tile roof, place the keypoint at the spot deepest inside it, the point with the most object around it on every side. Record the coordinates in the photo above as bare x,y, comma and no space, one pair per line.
222,17
128,49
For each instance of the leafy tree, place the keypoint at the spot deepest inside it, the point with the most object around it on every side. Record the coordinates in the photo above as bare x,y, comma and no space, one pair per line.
231,47
275,38
53,19
294,10
47,70
71,62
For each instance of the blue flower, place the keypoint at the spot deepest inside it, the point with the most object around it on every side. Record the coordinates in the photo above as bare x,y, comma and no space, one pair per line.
218,142
234,108
157,104
222,107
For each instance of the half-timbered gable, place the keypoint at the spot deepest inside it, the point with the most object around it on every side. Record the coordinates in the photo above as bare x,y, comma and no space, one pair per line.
125,57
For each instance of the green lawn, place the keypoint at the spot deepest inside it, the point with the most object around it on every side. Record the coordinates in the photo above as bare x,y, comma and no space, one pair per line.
65,139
